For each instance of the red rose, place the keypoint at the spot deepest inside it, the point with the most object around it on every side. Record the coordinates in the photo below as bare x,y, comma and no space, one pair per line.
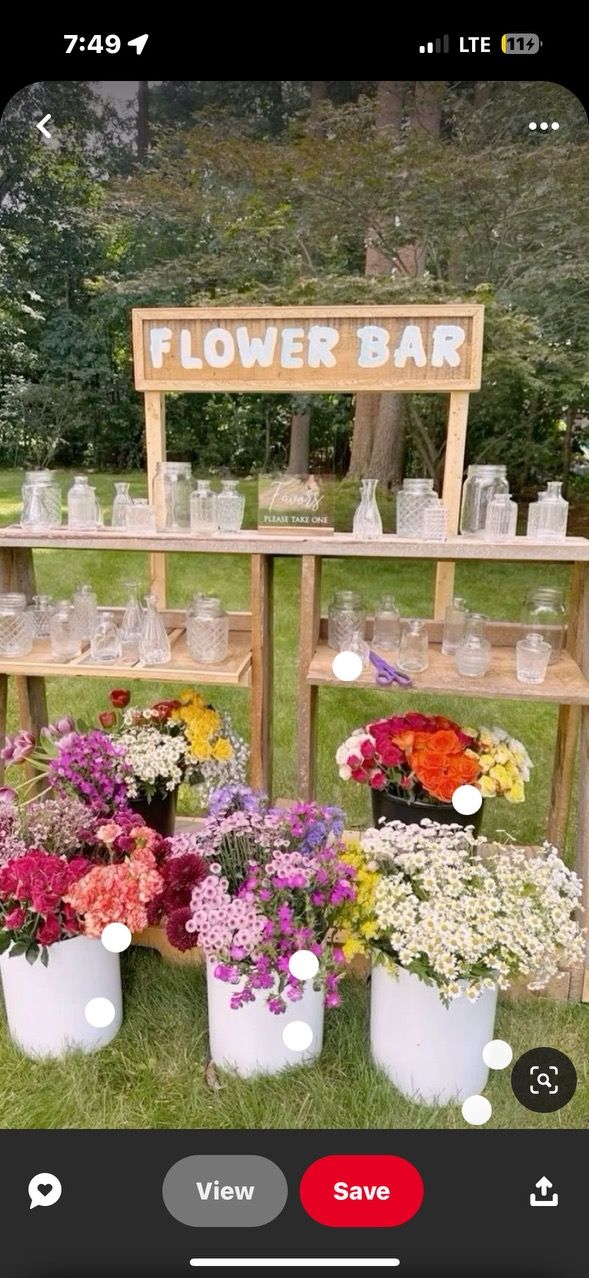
119,698
15,919
107,718
49,932
164,708
378,781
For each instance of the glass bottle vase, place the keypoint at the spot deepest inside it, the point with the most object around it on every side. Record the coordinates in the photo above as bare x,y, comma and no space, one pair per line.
454,625
86,611
414,647
532,658
154,644
83,511
501,518
386,635
203,510
132,623
64,632
230,505
105,644
544,613
119,506
171,495
367,521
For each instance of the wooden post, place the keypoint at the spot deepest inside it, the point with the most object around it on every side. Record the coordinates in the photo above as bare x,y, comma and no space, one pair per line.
5,585
262,577
583,812
155,447
310,620
31,693
452,491
568,727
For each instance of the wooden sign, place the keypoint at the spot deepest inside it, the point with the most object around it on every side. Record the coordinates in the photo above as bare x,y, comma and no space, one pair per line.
308,348
293,503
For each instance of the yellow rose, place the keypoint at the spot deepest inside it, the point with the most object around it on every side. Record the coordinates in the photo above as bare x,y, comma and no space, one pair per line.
487,787
222,750
486,762
501,776
516,793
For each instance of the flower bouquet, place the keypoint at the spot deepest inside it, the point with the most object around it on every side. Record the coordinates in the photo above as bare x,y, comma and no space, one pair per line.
448,921
54,908
417,761
274,880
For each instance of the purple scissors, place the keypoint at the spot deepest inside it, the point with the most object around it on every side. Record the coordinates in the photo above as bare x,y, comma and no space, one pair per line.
386,674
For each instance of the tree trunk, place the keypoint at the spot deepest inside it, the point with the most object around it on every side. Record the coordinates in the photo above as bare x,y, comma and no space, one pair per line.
388,449
567,450
142,121
388,119
298,456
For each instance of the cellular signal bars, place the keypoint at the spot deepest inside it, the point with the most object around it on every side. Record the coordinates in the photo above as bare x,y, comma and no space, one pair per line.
440,45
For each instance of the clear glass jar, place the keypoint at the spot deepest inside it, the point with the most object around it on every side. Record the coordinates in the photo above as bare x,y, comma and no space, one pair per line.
105,644
533,515
171,495
435,520
544,613
532,657
40,613
140,516
16,634
203,510
361,648
119,506
41,500
454,625
83,510
154,644
414,647
207,629
346,617
85,607
551,518
230,507
412,499
501,517
132,623
482,482
367,518
64,631
473,654
387,625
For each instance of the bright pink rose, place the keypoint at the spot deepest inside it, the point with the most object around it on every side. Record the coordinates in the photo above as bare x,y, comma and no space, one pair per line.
378,781
15,919
49,932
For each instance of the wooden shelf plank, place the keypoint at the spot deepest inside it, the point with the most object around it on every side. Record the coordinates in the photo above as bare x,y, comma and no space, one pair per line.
564,683
234,670
250,542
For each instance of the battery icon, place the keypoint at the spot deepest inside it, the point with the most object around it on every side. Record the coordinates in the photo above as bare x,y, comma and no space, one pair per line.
517,43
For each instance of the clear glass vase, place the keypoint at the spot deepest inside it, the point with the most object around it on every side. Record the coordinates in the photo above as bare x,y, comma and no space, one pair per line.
435,520
414,647
119,506
230,507
85,607
16,634
454,625
544,613
132,623
40,613
203,510
105,644
534,514
387,625
412,499
367,518
41,500
532,658
83,509
501,518
207,629
550,517
154,644
482,482
346,617
473,654
64,632
171,495
140,516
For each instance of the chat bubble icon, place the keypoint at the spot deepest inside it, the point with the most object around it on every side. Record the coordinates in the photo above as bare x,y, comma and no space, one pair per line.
44,1190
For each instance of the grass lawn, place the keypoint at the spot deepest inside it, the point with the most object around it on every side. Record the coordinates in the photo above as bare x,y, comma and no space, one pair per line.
152,1075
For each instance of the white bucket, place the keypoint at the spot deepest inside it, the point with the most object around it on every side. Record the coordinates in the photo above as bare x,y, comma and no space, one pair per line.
249,1039
45,1006
432,1053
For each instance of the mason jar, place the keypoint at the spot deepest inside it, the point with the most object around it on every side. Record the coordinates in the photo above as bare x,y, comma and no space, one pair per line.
346,617
172,484
544,613
41,500
482,483
207,629
16,633
412,500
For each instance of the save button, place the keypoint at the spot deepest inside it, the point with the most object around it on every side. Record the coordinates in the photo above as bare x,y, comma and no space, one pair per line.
361,1190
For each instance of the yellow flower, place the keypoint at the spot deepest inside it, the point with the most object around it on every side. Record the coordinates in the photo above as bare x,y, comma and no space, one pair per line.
222,750
486,762
501,776
200,749
487,787
516,793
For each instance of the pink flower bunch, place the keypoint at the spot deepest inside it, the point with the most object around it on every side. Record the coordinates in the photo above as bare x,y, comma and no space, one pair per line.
34,910
181,871
118,893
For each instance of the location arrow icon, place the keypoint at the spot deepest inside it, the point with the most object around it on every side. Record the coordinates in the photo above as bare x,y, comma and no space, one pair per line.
138,43
41,126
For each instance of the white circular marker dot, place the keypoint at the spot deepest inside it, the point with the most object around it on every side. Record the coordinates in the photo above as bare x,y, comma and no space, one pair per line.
476,1110
532,125
99,1012
116,937
298,1036
544,126
497,1054
303,965
555,125
467,800
347,666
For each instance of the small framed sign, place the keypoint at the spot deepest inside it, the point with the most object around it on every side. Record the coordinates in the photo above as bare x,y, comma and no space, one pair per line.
295,503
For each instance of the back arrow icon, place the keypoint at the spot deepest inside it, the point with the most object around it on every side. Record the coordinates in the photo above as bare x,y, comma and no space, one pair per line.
41,126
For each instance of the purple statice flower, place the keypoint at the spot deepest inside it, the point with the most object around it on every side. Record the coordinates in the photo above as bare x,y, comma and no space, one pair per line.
236,798
63,826
91,766
12,840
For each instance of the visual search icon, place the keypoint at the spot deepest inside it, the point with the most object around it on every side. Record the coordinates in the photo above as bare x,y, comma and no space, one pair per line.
544,1080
